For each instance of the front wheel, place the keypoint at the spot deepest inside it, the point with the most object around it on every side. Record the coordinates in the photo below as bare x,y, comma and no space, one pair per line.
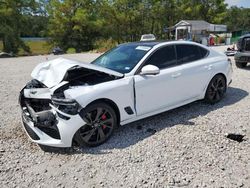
100,121
240,65
216,89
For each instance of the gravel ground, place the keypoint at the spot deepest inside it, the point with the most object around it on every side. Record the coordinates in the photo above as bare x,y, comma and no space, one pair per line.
185,147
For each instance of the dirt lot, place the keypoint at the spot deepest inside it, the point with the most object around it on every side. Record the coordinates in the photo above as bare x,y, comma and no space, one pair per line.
183,147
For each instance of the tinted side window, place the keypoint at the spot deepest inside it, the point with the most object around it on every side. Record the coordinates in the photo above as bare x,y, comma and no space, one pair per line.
203,52
187,53
162,58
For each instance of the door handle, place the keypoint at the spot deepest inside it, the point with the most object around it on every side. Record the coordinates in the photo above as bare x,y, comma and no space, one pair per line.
208,67
176,75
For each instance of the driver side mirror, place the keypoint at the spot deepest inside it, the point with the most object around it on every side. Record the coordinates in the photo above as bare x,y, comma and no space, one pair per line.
150,70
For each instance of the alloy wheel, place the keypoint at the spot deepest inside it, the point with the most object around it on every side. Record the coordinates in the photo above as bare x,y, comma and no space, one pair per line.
216,89
99,126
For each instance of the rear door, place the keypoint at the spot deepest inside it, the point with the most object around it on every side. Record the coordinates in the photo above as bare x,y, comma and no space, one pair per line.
196,69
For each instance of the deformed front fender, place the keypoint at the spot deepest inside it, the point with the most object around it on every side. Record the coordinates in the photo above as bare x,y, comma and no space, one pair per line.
120,91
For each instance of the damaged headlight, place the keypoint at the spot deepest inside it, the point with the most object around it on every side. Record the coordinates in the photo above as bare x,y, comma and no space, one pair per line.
68,106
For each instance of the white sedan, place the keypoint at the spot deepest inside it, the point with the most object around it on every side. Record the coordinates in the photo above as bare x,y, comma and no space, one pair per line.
72,103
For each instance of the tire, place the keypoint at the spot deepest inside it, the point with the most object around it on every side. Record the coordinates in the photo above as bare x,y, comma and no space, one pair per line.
101,121
216,89
241,65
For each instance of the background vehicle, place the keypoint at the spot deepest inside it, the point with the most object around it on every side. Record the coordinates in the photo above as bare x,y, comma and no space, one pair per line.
148,37
242,57
4,55
57,51
78,103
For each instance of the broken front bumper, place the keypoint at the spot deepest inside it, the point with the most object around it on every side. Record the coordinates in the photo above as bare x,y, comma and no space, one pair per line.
50,127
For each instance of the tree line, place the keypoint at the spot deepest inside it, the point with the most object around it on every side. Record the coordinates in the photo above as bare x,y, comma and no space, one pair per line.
79,24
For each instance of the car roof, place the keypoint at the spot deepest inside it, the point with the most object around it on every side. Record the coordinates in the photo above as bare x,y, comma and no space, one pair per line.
159,43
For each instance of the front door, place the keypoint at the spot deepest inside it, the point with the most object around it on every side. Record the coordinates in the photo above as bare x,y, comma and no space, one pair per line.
154,92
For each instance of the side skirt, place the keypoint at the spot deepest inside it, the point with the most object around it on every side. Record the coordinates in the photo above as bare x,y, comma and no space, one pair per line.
159,111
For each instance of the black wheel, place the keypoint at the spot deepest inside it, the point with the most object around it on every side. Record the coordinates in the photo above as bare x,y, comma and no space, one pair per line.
241,65
101,120
216,89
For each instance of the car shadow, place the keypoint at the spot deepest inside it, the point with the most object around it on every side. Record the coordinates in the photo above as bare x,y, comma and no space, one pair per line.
132,133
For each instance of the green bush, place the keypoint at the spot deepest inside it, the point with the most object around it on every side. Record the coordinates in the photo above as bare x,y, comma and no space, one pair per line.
71,51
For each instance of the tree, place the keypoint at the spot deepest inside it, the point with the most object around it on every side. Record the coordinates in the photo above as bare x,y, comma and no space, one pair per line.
238,18
74,24
35,26
213,11
11,20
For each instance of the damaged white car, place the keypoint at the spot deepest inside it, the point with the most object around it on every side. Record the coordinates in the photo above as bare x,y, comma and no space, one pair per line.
72,103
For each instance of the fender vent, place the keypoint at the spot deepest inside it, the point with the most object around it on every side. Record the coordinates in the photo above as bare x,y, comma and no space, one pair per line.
129,110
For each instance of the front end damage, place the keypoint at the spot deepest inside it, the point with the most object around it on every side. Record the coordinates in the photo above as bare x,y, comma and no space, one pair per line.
50,121
49,117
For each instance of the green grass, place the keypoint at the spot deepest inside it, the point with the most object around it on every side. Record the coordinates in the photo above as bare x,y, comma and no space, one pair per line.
36,48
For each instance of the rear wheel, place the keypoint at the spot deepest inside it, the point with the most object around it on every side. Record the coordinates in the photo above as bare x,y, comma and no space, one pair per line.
241,65
216,89
100,121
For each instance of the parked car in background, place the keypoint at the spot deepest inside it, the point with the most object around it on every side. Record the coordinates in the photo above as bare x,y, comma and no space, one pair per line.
70,102
5,55
57,51
242,57
148,37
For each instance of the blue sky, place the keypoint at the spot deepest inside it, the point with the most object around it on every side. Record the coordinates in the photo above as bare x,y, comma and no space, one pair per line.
239,3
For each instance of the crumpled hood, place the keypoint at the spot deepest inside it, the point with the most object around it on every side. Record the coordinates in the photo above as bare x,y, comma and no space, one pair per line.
52,72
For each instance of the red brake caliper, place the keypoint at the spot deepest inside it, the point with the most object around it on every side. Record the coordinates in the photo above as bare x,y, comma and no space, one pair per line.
103,118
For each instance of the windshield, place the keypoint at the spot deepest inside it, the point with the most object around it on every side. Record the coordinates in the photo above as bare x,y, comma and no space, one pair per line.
122,58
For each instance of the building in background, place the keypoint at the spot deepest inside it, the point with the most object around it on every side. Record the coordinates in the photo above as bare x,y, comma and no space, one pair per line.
198,31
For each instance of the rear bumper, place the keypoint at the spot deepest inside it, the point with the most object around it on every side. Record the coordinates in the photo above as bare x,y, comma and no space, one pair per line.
242,57
49,127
